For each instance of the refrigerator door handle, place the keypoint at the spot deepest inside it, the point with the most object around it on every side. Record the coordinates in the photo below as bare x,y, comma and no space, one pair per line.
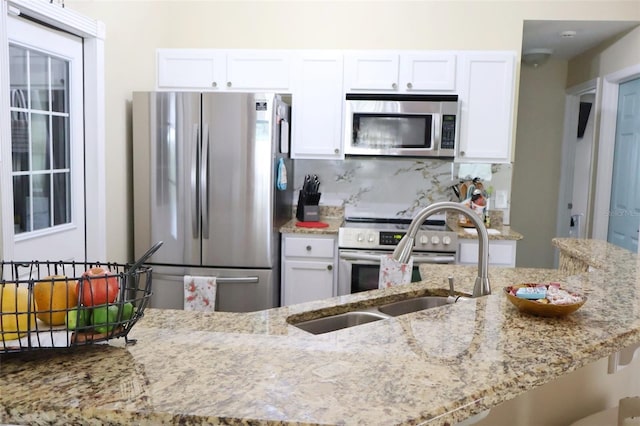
204,184
237,280
194,183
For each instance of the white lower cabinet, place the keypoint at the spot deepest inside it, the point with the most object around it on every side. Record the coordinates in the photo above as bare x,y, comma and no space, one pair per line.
309,268
501,252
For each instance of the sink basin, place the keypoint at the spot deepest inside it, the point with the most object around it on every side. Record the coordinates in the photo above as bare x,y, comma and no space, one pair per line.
337,322
412,305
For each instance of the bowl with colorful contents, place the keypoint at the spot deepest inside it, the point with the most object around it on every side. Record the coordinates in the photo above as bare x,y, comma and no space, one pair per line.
545,300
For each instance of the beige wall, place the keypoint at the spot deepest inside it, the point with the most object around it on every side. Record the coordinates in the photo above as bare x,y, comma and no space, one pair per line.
536,172
136,29
606,58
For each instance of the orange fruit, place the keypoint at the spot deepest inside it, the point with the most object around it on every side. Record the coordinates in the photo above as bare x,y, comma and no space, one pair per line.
14,312
54,295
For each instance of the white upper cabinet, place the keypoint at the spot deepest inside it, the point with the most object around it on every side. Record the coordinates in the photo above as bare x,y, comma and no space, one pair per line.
215,69
487,100
317,105
406,72
190,69
251,69
371,71
428,72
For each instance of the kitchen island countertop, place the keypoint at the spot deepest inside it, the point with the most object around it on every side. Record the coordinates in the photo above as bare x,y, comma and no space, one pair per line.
435,367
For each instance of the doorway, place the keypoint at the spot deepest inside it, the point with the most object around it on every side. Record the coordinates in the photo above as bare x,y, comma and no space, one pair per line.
47,142
577,176
624,210
604,190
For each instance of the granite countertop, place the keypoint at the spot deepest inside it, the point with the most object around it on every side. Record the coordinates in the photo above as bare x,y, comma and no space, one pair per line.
435,367
504,232
333,222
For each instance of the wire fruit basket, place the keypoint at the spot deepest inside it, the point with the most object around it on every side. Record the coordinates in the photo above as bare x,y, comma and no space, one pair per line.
47,305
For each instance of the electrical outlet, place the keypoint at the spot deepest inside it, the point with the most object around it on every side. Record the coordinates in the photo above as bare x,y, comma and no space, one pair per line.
501,200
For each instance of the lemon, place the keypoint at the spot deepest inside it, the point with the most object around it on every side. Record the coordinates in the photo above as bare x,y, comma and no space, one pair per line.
54,295
14,316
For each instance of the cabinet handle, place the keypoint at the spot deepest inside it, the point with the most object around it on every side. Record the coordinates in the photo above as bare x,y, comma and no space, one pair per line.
394,86
228,84
308,248
329,267
409,85
336,151
461,153
214,84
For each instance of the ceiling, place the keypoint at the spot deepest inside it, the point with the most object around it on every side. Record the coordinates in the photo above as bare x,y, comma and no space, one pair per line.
588,34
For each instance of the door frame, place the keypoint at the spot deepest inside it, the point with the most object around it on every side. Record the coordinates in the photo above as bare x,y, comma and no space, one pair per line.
565,194
606,146
93,35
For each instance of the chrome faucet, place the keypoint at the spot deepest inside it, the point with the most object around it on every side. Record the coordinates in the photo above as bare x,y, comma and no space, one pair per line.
403,250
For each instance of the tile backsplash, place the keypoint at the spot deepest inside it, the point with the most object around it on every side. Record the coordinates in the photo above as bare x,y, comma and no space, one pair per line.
406,184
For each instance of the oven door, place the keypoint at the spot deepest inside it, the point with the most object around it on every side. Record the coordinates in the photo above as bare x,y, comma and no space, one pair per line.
359,270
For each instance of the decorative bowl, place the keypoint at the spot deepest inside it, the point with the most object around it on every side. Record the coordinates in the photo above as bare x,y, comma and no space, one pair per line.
535,307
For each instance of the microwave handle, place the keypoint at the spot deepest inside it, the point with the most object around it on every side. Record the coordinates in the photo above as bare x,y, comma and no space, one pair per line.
436,130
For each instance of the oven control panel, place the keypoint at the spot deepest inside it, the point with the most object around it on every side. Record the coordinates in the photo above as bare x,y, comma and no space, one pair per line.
358,238
390,238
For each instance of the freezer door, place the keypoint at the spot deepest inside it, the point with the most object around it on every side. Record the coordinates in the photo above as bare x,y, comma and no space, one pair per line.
236,290
166,181
238,227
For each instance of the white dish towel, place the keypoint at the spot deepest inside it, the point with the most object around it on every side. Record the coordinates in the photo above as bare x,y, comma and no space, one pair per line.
199,293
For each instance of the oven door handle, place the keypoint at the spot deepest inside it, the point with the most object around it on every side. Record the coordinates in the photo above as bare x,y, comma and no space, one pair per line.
375,258
434,259
369,257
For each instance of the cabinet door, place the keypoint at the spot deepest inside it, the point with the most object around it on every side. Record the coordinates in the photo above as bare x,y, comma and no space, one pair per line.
269,70
190,69
371,71
305,281
502,253
486,97
317,113
428,72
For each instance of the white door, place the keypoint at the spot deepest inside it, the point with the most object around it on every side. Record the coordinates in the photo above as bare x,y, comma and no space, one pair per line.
46,143
624,211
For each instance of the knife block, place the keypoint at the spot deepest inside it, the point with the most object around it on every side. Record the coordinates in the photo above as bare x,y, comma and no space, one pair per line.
308,210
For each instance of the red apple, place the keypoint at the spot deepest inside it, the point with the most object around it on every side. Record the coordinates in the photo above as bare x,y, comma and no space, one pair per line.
99,286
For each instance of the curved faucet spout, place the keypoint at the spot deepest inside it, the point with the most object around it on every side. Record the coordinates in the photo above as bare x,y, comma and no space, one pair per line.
403,250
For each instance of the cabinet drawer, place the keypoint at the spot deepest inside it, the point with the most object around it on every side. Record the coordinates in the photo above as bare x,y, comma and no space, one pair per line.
309,247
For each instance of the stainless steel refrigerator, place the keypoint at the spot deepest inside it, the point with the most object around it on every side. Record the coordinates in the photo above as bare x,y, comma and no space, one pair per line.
205,182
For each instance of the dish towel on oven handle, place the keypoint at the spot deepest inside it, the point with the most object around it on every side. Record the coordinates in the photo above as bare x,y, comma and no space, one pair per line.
199,293
393,272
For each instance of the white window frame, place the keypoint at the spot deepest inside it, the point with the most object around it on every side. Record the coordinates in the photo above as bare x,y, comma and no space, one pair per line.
93,34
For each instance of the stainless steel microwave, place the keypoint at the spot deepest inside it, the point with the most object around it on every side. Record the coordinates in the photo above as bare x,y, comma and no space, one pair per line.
401,125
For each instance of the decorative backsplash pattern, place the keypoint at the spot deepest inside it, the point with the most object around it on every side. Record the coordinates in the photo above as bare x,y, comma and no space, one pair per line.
405,184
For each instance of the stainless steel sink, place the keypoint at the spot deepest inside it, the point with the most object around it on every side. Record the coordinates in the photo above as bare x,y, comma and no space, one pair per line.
339,321
413,305
330,323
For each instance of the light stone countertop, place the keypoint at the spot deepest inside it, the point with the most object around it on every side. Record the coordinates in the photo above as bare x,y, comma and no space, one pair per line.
334,225
434,367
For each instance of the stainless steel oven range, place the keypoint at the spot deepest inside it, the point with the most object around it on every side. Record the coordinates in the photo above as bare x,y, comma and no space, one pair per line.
362,241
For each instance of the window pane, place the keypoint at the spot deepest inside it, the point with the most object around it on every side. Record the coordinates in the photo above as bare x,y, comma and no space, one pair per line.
60,142
59,85
61,198
39,74
19,141
21,210
39,142
41,198
18,76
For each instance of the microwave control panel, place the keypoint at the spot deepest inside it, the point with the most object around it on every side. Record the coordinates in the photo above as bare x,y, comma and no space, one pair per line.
448,132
